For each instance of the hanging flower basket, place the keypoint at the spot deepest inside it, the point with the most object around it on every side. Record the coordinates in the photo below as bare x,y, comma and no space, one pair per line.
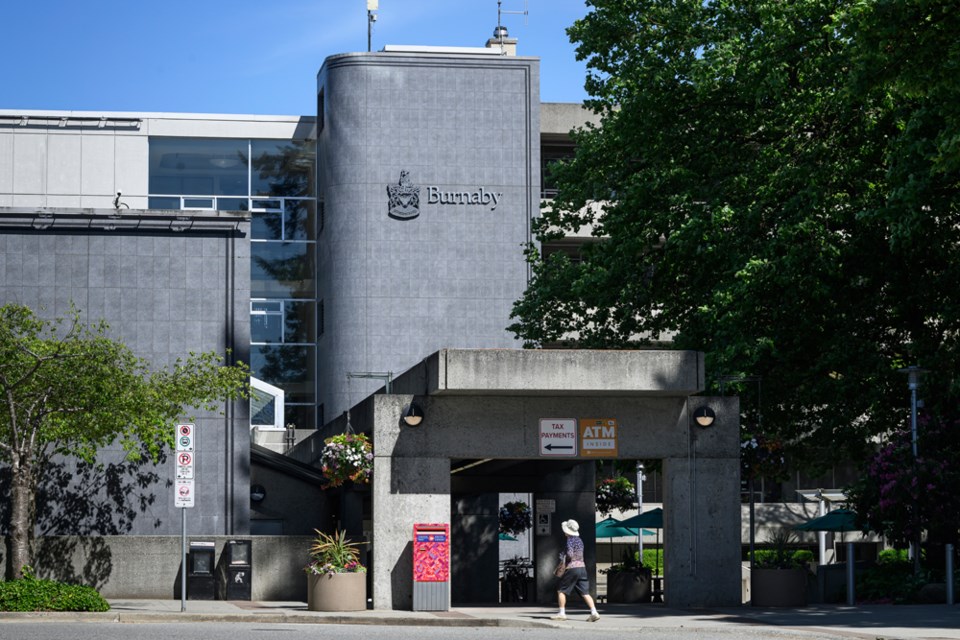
515,518
615,494
347,457
762,457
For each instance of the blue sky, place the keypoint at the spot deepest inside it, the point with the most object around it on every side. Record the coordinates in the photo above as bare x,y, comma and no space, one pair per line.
243,56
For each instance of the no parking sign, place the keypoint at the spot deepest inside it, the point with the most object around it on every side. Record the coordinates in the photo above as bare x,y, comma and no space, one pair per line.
184,486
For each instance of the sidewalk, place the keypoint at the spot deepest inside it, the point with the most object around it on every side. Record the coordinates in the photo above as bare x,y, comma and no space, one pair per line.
869,621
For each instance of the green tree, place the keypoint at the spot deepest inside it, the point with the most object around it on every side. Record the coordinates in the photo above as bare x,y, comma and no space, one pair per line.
67,389
775,184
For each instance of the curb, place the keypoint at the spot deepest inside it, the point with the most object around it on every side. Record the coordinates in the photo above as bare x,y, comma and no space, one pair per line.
140,617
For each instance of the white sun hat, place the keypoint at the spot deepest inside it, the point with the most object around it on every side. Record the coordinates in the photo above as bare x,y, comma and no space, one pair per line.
570,527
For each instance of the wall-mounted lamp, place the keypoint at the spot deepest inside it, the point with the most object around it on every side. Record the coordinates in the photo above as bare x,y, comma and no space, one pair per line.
413,415
257,493
704,416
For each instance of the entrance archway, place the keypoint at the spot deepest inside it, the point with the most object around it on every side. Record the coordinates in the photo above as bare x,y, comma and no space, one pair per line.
490,404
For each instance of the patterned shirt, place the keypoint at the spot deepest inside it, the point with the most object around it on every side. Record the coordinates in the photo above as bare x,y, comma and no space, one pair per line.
574,552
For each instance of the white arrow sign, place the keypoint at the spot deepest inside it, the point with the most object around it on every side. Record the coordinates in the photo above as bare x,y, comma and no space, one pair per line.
558,437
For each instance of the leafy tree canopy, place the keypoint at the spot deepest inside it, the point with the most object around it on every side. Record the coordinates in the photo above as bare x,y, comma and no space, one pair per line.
67,388
775,184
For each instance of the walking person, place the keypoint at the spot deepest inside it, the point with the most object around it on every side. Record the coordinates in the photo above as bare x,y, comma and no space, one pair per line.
575,575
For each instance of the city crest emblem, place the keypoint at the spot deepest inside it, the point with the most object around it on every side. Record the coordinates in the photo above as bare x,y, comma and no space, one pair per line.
404,198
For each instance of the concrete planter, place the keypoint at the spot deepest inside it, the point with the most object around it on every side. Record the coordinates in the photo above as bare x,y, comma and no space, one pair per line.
778,587
337,592
628,586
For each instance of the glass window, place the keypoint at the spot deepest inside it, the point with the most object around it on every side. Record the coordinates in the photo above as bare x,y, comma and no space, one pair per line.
286,366
266,225
300,415
163,203
198,166
273,205
298,321
282,270
278,321
198,203
232,167
284,168
266,321
299,219
263,407
232,204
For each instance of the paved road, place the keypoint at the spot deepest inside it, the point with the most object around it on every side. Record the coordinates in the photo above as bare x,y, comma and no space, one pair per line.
254,631
250,620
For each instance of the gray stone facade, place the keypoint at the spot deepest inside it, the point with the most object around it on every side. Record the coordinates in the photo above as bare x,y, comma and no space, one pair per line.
466,129
166,286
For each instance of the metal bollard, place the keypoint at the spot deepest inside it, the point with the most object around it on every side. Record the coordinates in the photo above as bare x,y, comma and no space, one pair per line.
851,585
949,574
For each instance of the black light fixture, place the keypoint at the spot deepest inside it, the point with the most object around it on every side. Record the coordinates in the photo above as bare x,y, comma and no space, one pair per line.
257,493
413,415
704,416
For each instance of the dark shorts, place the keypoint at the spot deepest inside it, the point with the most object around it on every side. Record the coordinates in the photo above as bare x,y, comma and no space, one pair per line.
574,578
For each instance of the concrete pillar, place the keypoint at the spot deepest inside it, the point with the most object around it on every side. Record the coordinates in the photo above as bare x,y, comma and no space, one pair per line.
701,529
406,491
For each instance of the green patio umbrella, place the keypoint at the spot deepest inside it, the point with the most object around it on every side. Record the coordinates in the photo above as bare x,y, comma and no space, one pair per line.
505,536
613,528
652,519
841,521
838,520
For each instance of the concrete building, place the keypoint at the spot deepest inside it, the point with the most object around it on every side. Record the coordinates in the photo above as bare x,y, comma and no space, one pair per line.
360,259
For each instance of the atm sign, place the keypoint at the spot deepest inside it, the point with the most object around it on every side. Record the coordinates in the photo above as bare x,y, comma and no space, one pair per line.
598,437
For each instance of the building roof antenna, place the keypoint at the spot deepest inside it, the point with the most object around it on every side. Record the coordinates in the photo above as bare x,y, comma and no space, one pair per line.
372,7
501,31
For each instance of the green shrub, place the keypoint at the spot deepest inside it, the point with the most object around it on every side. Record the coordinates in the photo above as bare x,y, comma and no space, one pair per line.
891,580
33,594
653,559
629,561
782,552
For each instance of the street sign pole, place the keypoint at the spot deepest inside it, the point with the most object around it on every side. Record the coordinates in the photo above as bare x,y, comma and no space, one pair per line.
183,559
183,488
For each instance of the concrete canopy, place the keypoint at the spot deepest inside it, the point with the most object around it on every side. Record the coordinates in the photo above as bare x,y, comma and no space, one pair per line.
489,404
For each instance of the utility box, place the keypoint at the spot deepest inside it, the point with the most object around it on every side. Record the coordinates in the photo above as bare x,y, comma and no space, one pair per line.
200,566
431,567
235,571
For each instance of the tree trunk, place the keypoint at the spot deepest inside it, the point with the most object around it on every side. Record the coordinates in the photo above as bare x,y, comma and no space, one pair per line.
22,509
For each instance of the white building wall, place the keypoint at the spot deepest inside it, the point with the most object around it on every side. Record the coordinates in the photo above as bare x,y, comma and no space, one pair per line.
66,159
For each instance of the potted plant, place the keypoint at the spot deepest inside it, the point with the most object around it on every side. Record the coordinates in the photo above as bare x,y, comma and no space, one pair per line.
779,575
336,581
615,494
628,580
347,457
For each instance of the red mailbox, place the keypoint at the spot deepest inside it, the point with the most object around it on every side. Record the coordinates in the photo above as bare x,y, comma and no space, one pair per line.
431,567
